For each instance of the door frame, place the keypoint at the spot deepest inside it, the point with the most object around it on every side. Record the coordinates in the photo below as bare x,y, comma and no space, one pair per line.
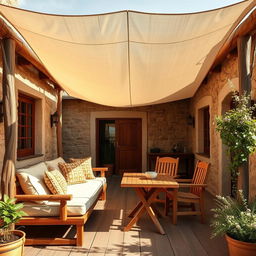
117,115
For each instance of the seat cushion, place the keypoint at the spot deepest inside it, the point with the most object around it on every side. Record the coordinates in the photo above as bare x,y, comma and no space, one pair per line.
84,196
54,164
55,182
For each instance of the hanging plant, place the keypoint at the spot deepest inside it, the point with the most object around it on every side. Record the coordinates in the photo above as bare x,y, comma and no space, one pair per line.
237,130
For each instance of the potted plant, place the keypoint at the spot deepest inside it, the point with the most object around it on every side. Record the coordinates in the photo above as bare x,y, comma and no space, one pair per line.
11,241
235,217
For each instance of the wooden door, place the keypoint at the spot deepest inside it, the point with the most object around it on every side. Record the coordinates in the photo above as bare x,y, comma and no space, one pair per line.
128,145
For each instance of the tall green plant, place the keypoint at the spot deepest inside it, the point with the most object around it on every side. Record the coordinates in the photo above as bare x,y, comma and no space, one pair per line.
237,129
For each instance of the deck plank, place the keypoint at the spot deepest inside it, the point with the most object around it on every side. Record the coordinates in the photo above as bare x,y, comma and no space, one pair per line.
100,242
131,238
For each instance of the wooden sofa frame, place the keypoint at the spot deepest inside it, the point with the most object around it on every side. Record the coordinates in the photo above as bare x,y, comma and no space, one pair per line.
62,219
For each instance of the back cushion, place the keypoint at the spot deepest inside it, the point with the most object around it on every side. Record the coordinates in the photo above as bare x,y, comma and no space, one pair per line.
36,170
31,180
54,164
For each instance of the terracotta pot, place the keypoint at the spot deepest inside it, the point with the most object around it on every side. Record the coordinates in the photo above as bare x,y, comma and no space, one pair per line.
15,248
239,248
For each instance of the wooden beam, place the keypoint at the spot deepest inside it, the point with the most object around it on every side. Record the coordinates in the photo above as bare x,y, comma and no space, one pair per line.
10,117
24,50
217,68
59,125
245,28
21,61
244,70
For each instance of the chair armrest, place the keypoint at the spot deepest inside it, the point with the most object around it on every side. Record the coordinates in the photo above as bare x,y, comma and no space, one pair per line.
43,197
184,180
102,170
189,185
62,198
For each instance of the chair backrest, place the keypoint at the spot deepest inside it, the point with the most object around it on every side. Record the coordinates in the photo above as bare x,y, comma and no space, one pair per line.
199,176
167,165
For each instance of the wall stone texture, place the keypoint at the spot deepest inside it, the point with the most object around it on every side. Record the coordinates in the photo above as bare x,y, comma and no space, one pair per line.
167,125
215,83
22,74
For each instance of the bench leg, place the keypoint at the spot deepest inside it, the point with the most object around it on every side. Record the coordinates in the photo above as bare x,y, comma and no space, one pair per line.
79,234
104,193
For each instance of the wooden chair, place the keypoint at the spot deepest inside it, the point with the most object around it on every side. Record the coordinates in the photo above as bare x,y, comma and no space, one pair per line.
167,165
195,194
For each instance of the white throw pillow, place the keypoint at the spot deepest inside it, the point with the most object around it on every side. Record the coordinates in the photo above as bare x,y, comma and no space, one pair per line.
31,185
54,164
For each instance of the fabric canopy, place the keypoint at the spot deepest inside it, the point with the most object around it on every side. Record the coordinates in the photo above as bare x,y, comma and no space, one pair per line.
128,58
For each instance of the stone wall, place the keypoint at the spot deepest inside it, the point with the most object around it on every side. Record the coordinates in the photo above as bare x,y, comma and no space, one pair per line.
27,82
217,84
167,125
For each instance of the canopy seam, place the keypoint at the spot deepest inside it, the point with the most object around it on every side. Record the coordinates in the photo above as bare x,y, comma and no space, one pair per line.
125,41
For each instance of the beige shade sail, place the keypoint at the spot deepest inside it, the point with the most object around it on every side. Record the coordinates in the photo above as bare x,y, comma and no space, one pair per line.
128,58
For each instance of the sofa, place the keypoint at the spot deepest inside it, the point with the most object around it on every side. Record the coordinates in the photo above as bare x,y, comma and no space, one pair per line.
44,208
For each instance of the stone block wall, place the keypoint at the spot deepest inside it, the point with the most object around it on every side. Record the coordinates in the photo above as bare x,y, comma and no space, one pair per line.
166,125
214,88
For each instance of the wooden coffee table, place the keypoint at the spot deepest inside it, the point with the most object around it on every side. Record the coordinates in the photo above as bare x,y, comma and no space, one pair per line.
147,189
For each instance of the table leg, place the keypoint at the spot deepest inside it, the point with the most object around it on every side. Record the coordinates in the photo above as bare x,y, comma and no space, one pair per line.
146,204
174,206
146,200
133,212
146,195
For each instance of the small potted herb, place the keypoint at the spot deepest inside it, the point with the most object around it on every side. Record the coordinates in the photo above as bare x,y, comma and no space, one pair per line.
11,241
236,219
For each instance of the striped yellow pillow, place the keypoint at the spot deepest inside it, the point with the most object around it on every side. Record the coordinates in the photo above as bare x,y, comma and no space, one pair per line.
73,172
86,164
55,181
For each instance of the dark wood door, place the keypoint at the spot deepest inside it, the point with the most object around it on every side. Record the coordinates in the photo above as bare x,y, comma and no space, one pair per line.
128,145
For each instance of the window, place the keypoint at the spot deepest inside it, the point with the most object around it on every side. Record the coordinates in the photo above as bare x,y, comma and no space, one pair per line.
26,126
206,130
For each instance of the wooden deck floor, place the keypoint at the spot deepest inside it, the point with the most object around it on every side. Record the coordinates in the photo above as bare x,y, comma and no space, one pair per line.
104,235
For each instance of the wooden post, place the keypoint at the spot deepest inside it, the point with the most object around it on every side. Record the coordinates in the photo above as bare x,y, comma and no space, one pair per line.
10,117
244,70
59,125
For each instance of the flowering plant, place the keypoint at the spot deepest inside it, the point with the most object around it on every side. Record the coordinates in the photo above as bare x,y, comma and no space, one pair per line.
236,218
237,128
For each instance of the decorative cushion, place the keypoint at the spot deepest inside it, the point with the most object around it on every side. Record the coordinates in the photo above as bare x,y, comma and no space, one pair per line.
73,172
31,185
54,164
55,181
87,166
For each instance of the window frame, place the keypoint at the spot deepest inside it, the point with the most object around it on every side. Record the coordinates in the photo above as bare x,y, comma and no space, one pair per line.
26,152
206,130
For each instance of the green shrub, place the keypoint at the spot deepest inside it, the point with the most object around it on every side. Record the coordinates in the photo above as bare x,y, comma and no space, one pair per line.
237,130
